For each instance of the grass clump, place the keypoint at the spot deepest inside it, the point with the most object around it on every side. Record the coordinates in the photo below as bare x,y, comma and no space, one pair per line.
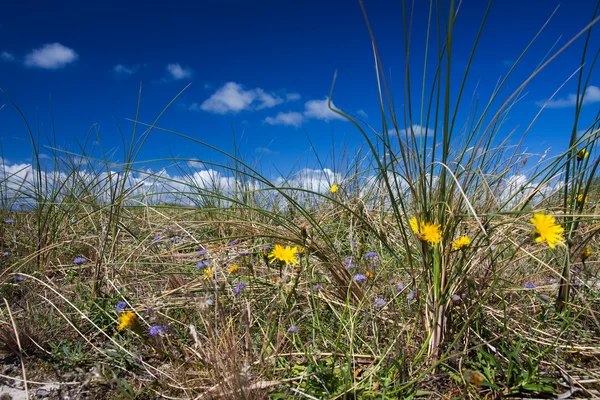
440,262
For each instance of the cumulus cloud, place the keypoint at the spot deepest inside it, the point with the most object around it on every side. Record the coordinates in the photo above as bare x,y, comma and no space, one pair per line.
319,109
124,69
418,130
292,96
234,98
592,95
6,56
50,56
177,72
286,118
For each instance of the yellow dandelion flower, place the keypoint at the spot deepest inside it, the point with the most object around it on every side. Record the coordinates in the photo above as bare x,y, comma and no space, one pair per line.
286,254
414,224
582,154
547,230
301,250
461,243
586,253
334,188
233,269
430,233
127,320
209,273
581,198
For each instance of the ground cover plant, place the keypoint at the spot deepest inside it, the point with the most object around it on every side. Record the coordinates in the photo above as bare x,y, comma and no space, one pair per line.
442,261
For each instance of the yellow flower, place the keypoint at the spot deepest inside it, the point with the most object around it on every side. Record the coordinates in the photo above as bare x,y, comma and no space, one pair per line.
582,199
233,269
369,274
334,188
547,230
431,233
127,320
461,243
209,273
582,154
414,224
286,254
586,253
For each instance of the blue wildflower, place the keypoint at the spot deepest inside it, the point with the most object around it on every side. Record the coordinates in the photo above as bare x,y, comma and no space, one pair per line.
121,306
316,287
529,285
19,278
202,252
326,229
379,302
293,329
411,295
6,253
455,298
9,221
202,264
359,277
210,301
545,298
238,288
234,242
156,238
264,247
158,330
371,254
79,260
399,287
244,253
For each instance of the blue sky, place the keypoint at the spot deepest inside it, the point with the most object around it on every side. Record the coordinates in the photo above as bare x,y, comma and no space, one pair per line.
261,70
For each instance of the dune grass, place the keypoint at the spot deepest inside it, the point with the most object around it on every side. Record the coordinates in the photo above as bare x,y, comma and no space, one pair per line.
442,261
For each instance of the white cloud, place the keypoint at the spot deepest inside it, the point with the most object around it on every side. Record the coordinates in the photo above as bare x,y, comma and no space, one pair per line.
362,113
316,180
233,98
6,56
265,150
194,107
592,95
50,56
196,164
124,69
292,96
286,118
418,131
178,72
319,109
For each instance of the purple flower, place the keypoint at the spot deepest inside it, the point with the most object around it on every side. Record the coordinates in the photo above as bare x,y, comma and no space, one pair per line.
545,298
316,287
202,264
210,301
353,243
158,330
202,252
79,260
6,253
371,254
350,266
234,242
244,252
9,221
399,287
359,277
379,302
411,295
529,285
264,247
348,263
156,238
121,306
238,288
293,329
326,229
455,298
19,278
